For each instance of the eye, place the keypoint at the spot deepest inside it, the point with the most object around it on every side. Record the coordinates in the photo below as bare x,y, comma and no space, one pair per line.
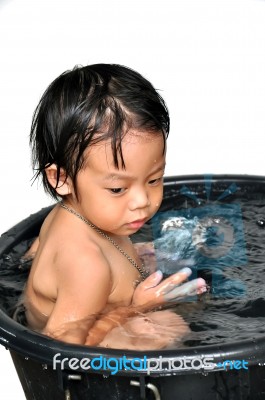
156,181
116,190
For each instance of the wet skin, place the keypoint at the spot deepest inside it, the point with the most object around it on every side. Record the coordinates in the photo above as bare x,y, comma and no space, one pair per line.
80,286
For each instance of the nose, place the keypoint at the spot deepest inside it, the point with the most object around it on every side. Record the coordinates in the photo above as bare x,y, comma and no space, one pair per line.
139,199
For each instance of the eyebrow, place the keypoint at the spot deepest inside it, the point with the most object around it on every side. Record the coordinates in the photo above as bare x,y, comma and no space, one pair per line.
118,177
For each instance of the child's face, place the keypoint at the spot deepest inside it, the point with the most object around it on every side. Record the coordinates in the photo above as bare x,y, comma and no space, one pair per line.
120,201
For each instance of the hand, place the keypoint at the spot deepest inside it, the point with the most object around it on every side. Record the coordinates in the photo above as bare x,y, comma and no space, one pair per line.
151,293
147,255
106,322
30,253
151,331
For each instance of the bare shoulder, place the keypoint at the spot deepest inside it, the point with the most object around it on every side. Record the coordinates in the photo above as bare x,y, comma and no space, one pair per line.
82,258
68,258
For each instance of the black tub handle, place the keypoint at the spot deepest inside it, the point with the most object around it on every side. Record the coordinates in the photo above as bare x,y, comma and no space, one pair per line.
149,386
67,394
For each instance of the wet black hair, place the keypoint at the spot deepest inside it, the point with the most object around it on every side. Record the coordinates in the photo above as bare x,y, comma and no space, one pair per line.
87,105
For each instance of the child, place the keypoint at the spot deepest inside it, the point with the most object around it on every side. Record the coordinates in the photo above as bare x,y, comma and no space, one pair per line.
99,143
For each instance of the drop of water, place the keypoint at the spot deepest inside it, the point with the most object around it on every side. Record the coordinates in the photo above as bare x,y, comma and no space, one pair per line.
261,222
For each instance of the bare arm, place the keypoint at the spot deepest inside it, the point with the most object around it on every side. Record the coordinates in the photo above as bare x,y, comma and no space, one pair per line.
149,295
83,291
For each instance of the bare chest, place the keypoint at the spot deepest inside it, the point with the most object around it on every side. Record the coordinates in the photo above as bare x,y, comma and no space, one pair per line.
125,274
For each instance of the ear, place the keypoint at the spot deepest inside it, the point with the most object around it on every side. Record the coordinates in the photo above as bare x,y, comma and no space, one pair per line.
64,185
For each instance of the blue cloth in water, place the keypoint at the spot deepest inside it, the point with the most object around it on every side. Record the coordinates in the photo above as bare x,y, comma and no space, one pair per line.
178,244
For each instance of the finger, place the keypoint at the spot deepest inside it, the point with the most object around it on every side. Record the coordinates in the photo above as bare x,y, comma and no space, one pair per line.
152,280
180,276
192,288
173,281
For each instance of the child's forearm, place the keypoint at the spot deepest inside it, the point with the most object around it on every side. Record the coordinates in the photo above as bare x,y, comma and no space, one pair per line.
109,321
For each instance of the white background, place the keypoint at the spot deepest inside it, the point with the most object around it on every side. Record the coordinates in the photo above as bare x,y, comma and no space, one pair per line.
206,56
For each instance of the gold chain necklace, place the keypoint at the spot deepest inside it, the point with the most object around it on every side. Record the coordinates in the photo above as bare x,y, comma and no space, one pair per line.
141,269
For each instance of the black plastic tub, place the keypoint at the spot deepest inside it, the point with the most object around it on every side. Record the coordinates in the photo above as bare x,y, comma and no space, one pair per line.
33,354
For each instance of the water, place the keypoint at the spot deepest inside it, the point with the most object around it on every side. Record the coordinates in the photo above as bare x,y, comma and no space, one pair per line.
231,260
14,271
223,242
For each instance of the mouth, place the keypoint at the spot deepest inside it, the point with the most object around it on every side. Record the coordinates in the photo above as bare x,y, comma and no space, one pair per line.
137,224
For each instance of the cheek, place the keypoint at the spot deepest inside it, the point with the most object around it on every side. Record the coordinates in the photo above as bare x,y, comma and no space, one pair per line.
158,197
108,207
